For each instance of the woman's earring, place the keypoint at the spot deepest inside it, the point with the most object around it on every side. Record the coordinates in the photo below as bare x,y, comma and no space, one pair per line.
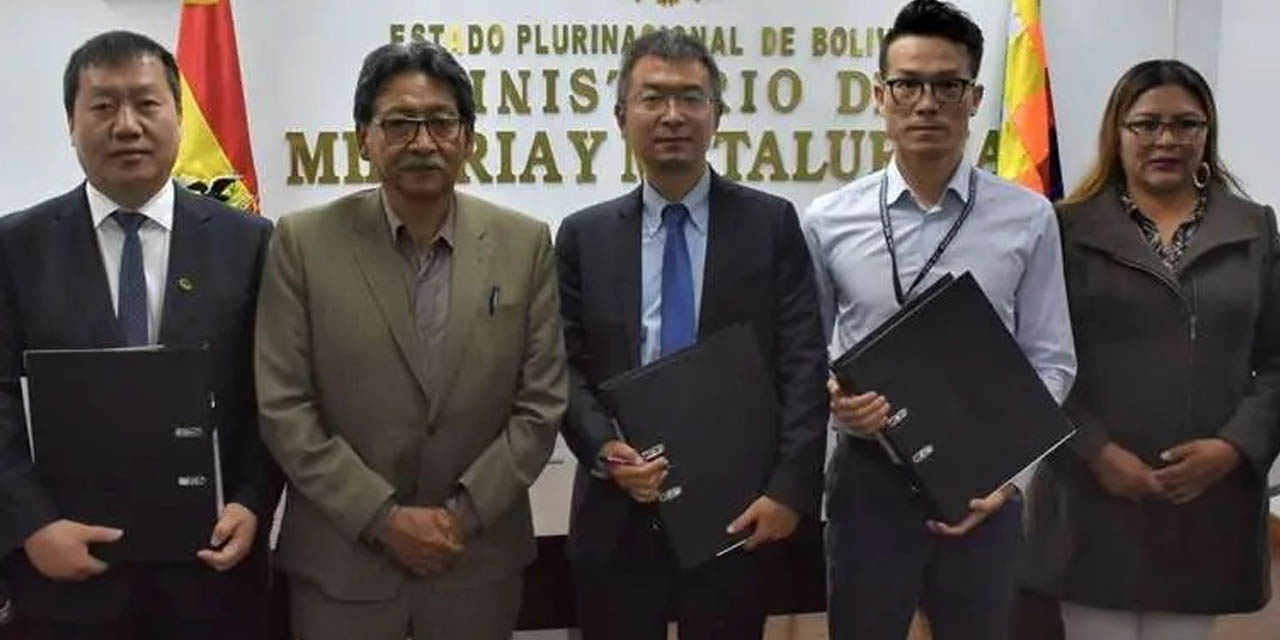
1199,181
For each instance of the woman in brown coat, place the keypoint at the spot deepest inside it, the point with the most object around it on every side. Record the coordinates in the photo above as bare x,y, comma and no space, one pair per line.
1154,519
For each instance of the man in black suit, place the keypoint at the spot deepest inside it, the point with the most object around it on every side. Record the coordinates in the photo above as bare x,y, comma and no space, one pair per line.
686,254
125,259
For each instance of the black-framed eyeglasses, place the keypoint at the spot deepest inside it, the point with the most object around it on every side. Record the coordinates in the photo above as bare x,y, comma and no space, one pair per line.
946,91
653,102
403,129
1148,130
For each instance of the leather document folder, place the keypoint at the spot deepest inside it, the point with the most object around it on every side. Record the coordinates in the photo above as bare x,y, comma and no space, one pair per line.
713,410
124,438
968,412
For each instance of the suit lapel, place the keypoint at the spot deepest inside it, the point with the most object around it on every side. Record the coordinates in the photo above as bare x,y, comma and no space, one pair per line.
470,286
1110,229
1223,224
84,273
723,261
626,273
383,271
180,321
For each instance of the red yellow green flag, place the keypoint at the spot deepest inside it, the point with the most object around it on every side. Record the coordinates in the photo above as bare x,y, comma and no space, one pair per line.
1028,151
215,157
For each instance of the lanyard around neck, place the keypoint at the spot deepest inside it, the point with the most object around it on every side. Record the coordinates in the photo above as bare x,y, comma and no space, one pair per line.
887,227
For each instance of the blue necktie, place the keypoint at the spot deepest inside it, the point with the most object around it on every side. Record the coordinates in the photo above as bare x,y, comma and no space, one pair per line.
131,306
678,326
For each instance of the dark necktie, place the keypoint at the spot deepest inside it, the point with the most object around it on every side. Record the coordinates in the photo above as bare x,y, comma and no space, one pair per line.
131,307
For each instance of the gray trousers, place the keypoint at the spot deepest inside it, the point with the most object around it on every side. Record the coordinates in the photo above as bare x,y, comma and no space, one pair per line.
422,611
1088,623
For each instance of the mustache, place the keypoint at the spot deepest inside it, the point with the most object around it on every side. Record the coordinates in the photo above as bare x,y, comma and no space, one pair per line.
416,162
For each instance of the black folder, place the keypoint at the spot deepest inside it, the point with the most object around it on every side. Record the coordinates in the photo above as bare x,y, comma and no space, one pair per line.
713,408
125,438
968,411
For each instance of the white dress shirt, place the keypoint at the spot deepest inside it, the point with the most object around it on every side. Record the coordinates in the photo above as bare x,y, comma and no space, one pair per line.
155,234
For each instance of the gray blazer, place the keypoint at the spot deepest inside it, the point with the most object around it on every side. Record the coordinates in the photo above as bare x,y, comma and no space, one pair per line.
1164,359
344,402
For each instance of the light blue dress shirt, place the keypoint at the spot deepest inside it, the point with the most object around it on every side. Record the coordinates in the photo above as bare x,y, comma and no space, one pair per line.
1010,243
653,238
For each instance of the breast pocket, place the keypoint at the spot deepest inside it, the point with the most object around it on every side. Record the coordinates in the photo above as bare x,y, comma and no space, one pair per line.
744,295
500,326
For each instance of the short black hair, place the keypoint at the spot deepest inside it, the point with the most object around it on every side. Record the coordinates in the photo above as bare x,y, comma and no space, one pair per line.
669,44
113,48
933,18
428,58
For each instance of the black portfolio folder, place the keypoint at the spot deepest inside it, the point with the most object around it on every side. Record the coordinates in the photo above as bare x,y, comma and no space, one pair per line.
713,408
124,438
968,411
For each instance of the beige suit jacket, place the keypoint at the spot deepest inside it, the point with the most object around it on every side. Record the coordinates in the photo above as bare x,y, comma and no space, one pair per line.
344,405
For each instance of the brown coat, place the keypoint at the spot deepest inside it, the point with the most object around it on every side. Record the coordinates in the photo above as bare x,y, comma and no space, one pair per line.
345,407
1165,359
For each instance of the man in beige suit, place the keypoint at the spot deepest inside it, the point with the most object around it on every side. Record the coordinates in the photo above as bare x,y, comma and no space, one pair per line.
411,377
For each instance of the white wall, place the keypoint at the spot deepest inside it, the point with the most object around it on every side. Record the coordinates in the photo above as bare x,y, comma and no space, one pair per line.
1090,43
1246,89
1246,85
300,59
36,37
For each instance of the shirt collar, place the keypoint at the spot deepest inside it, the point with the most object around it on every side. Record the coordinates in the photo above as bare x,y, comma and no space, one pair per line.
1135,212
958,184
158,209
696,201
445,233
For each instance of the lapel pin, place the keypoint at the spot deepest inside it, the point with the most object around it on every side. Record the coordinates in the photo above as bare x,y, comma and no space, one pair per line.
185,284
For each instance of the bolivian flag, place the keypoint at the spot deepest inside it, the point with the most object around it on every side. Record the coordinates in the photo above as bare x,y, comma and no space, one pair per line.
215,157
1028,135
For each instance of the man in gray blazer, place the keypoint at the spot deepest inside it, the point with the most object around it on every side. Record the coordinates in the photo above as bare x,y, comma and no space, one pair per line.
411,377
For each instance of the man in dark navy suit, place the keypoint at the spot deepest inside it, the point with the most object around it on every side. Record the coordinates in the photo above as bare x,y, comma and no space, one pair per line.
128,258
641,276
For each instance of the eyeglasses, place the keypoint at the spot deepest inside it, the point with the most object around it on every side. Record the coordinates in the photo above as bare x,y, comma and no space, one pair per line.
403,130
1148,130
946,91
655,102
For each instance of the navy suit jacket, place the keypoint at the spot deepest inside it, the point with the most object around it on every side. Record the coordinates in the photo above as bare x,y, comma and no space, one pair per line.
54,295
757,272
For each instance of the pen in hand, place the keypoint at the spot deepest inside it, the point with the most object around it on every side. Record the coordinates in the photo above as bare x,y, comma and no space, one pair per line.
630,463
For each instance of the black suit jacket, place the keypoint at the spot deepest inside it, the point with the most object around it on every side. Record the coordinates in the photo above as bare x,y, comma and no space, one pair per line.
54,294
757,272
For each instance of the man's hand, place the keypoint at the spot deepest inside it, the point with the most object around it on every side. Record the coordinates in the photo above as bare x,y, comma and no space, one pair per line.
640,479
979,510
772,520
60,549
1124,475
424,539
864,414
1194,467
234,532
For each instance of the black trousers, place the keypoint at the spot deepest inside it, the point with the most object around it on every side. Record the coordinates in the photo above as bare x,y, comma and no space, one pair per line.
642,588
882,562
148,615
